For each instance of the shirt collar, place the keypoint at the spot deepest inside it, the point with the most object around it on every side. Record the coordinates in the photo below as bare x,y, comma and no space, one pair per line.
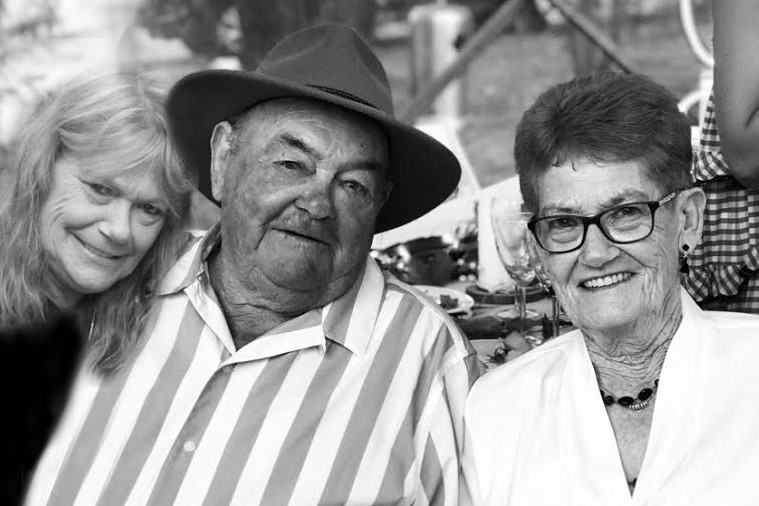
191,264
695,320
348,320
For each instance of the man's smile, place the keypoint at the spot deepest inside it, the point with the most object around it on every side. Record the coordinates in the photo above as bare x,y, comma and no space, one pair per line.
301,234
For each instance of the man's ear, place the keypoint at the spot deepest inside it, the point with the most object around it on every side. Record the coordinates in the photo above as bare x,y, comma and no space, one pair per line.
692,203
221,147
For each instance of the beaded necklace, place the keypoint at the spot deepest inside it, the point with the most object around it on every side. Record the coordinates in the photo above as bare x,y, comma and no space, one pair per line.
636,404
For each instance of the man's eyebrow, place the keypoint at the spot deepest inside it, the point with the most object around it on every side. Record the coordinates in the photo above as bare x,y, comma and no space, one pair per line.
370,165
297,143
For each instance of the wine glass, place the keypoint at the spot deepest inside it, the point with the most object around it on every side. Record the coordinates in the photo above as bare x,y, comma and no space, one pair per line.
545,282
511,236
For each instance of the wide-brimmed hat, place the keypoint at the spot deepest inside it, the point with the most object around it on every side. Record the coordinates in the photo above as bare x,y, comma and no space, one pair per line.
330,63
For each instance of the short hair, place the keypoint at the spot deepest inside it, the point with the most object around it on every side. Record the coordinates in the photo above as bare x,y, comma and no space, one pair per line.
120,116
604,117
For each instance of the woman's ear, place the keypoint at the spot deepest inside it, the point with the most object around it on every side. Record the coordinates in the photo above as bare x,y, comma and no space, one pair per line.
221,147
691,208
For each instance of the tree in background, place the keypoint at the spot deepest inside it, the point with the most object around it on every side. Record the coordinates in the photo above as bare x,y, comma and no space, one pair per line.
24,26
247,29
586,56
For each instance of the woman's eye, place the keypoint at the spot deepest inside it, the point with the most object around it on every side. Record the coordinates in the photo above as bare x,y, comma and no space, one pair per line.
628,212
151,210
562,223
100,189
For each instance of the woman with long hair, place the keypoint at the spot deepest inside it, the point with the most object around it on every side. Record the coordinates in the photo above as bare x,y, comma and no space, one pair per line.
92,206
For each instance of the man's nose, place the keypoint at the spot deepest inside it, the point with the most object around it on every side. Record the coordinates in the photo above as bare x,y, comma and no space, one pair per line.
317,200
597,248
116,223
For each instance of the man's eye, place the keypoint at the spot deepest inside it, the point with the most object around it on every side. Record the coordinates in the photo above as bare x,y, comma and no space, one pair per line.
356,187
291,165
100,189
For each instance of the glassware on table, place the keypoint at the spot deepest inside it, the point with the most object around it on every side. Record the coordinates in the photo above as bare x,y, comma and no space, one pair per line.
511,240
545,282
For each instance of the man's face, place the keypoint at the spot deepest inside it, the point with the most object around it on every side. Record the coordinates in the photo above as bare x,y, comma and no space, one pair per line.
604,285
301,184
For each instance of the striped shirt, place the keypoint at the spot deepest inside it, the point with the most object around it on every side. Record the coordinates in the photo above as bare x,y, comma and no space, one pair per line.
359,402
724,266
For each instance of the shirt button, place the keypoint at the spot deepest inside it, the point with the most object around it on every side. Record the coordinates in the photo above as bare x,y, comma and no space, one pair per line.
189,446
228,369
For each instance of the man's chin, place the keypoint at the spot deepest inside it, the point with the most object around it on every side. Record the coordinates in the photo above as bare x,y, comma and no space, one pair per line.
303,279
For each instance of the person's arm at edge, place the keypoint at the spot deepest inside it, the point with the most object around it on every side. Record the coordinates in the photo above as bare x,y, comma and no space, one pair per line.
736,85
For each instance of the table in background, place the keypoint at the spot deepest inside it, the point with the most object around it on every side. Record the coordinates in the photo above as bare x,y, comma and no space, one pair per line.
487,332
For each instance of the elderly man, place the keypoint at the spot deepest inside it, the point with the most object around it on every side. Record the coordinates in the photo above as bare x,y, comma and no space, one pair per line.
282,366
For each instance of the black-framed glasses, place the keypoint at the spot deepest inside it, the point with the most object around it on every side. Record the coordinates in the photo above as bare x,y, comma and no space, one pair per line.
622,224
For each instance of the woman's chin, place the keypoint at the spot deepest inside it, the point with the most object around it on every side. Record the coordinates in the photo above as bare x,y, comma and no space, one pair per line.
608,316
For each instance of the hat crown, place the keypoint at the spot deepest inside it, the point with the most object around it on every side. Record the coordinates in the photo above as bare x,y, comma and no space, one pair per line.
333,59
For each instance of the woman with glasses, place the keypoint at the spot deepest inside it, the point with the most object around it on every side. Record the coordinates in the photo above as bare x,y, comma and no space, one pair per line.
650,400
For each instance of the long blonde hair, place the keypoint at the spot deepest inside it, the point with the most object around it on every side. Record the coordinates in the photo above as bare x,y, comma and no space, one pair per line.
117,115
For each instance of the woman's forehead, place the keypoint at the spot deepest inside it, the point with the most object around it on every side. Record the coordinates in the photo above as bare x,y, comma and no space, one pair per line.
137,174
586,186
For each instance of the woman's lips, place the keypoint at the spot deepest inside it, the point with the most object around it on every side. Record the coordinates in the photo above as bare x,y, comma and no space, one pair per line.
98,252
608,280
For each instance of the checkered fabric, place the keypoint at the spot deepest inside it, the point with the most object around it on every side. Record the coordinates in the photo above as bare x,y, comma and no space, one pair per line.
725,264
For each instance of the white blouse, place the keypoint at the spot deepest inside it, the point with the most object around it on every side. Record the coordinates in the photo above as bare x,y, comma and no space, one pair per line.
537,432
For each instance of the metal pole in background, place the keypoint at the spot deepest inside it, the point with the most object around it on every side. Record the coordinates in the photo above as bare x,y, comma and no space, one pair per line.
471,50
437,32
489,31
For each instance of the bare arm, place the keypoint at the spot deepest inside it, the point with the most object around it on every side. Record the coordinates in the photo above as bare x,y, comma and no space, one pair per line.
736,85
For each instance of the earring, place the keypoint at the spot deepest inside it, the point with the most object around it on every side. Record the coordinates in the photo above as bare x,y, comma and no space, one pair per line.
684,267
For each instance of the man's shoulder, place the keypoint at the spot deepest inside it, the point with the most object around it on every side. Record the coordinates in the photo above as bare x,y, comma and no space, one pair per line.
411,298
425,316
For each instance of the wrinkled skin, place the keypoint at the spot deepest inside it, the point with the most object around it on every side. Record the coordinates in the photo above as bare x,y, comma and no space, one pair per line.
97,224
301,187
643,304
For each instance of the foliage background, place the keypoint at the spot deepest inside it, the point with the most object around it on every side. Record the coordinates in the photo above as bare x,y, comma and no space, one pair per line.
43,41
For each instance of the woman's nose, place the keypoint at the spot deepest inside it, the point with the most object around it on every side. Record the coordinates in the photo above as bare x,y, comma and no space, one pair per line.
597,248
116,224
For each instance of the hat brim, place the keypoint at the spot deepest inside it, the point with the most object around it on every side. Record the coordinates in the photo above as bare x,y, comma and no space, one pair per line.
424,171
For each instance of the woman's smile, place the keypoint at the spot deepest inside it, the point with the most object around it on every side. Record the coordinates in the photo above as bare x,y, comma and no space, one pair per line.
606,281
97,251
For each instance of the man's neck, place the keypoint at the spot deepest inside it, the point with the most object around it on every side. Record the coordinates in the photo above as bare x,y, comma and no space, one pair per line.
247,316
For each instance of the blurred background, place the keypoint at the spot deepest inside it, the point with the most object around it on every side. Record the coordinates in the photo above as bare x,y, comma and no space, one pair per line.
502,54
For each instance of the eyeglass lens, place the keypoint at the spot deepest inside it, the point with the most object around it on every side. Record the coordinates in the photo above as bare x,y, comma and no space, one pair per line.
627,223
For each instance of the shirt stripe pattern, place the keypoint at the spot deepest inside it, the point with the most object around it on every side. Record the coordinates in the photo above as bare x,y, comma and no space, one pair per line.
359,402
724,266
